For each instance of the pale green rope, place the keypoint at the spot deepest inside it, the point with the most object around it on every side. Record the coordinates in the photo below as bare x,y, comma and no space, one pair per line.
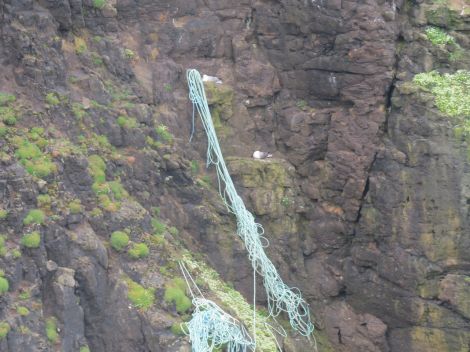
210,327
281,298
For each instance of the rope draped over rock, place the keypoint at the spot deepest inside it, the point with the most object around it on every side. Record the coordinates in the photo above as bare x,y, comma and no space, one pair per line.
281,298
210,327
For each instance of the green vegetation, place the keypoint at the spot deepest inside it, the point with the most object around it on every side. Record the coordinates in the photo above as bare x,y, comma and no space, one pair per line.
35,216
118,191
84,349
139,296
285,202
173,230
175,292
162,132
6,98
194,167
301,104
451,92
96,212
31,240
96,59
52,99
51,330
138,251
99,4
158,227
80,45
129,54
4,329
4,285
75,206
23,311
32,157
127,122
119,240
16,253
438,36
78,111
7,111
3,130
3,214
3,250
44,201
24,296
168,88
177,329
97,168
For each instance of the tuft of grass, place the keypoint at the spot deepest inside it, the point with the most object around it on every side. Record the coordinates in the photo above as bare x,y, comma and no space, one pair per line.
195,167
3,214
31,240
97,168
51,330
162,132
4,285
6,98
52,99
139,251
44,201
23,311
140,297
80,45
173,230
33,159
438,36
127,122
35,216
175,292
4,329
3,250
99,4
96,59
158,227
119,240
451,91
78,111
177,329
75,206
129,54
117,189
24,296
84,349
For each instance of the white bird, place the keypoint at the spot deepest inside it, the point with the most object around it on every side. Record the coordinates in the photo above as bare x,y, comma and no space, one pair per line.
261,155
206,78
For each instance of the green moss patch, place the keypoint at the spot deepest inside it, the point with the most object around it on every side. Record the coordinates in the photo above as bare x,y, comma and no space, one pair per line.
23,311
127,122
51,330
4,329
438,36
451,91
140,297
4,285
119,240
175,292
31,240
35,216
139,251
32,157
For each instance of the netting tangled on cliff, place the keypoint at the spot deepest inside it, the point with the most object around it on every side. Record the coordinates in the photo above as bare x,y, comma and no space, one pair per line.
281,298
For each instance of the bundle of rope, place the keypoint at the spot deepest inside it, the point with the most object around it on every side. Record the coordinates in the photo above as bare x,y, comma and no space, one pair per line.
281,298
210,327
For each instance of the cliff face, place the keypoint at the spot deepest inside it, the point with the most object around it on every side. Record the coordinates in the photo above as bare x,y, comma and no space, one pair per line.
365,203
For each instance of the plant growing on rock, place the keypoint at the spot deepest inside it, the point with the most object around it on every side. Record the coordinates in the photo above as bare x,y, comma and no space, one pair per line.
35,216
139,251
23,311
44,201
158,227
175,293
140,296
119,240
3,250
438,36
127,122
4,285
52,99
4,329
75,206
51,330
451,91
99,4
163,133
3,214
31,240
33,159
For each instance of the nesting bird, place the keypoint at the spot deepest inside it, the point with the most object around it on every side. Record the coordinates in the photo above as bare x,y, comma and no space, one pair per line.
261,155
206,78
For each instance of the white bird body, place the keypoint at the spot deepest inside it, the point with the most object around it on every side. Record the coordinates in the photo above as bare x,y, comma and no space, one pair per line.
206,78
261,155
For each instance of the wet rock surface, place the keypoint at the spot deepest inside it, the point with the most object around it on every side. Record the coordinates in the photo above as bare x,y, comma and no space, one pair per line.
365,203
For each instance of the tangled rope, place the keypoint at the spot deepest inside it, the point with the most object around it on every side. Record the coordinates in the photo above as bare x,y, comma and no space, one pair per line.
210,327
281,298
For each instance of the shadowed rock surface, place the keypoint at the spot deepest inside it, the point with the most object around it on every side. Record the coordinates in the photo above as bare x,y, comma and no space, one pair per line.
365,203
